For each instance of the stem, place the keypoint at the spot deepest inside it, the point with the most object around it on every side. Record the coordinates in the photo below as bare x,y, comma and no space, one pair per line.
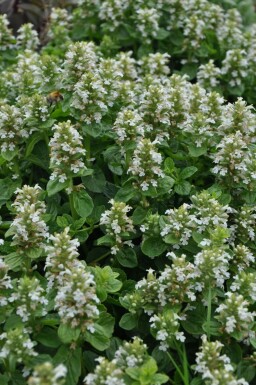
178,369
87,145
100,258
185,365
209,313
71,201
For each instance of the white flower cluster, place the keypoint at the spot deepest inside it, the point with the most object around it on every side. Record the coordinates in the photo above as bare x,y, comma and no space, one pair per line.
118,224
16,343
215,368
47,374
76,300
28,228
27,37
129,355
5,283
11,131
165,326
235,316
146,164
66,152
29,299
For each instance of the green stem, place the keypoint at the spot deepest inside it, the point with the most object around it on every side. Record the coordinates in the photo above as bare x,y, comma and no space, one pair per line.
183,358
209,313
185,365
177,368
100,258
87,145
71,201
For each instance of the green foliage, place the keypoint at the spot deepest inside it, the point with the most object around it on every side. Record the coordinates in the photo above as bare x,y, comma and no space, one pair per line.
128,193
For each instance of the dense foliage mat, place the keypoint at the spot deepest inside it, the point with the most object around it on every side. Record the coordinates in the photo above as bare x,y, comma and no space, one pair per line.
128,195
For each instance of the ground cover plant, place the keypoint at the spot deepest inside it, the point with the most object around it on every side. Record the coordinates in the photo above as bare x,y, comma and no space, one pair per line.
127,194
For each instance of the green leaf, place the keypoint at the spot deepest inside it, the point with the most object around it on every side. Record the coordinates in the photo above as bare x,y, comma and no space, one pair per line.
54,186
125,194
198,237
106,240
159,378
67,334
4,379
106,281
48,337
195,319
165,185
212,327
83,203
162,34
169,166
139,215
171,239
195,151
33,140
153,246
62,222
14,261
34,253
188,172
9,155
127,257
72,360
246,370
183,188
95,182
190,69
7,189
98,339
128,321
93,129
107,323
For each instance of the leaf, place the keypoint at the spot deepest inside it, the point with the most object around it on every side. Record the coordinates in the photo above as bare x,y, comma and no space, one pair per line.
183,188
107,322
7,189
165,185
98,339
106,281
127,257
169,166
48,337
188,172
162,34
125,194
4,379
246,370
9,155
213,327
93,129
83,203
33,140
34,253
72,360
54,186
195,319
153,246
139,215
106,240
67,334
95,182
195,151
128,321
159,378
14,261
